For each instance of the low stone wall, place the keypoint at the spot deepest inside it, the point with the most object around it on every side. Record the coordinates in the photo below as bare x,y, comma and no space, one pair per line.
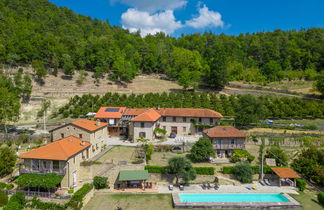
87,198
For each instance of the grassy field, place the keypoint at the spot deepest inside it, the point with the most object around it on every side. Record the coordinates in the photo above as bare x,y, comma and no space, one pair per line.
119,153
164,201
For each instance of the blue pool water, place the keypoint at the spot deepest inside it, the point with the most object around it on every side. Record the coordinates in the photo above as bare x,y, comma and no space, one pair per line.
233,197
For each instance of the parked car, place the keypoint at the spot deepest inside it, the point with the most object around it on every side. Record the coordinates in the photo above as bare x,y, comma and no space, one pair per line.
173,135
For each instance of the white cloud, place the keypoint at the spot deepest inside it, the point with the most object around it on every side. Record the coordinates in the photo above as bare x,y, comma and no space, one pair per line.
153,5
165,21
206,18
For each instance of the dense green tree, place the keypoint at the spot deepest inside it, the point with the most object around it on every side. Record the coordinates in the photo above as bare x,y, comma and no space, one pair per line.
319,84
243,172
7,160
310,164
250,110
181,168
39,69
278,154
202,150
9,106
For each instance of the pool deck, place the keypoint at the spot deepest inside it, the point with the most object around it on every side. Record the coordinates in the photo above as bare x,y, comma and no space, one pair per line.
235,205
231,189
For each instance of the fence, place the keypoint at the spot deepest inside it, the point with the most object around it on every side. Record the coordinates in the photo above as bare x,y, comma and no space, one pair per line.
36,194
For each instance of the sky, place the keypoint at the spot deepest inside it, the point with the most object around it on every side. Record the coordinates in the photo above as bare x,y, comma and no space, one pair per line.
176,17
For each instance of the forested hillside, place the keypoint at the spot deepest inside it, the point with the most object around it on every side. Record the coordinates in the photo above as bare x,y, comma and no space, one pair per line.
49,37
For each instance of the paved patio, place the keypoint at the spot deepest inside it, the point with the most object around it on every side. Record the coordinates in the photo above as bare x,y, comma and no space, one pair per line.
232,189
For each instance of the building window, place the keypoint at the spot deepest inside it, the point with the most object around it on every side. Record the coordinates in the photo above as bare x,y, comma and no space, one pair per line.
62,135
232,141
199,119
164,119
80,136
56,164
142,125
142,134
184,129
211,121
35,164
184,119
174,119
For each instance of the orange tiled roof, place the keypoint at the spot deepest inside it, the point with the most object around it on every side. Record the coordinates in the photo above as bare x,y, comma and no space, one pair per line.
224,132
102,113
149,116
189,112
135,111
58,150
89,125
284,172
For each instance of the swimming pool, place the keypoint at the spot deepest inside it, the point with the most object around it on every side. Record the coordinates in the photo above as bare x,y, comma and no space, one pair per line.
232,197
215,200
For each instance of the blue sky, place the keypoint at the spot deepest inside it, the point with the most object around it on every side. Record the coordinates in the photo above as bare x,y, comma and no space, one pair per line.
175,17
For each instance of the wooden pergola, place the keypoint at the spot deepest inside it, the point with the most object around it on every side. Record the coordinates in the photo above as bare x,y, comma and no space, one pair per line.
132,179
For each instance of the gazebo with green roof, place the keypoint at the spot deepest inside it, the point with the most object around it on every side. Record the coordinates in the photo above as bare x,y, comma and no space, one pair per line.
132,179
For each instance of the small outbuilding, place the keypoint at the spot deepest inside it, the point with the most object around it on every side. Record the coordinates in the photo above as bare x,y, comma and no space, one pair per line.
285,176
132,179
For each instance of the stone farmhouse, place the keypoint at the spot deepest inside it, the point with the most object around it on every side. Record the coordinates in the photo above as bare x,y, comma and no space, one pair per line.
225,139
141,123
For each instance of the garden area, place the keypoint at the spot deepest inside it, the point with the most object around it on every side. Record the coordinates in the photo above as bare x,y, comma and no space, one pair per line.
119,153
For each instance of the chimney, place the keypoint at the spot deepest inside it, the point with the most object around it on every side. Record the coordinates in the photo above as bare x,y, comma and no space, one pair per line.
158,108
98,123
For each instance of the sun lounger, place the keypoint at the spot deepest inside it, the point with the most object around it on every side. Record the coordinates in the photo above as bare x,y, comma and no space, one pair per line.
208,186
267,181
170,187
249,187
204,186
262,183
181,187
254,187
216,186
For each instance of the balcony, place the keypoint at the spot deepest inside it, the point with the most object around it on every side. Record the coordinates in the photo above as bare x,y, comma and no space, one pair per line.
229,146
60,172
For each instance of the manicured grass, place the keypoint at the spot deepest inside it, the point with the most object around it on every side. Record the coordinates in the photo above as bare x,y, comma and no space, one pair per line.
308,200
131,202
119,153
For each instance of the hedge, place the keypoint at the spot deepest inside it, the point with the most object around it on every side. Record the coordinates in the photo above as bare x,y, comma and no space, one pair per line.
38,204
256,169
100,182
156,169
3,199
204,170
76,200
320,198
199,170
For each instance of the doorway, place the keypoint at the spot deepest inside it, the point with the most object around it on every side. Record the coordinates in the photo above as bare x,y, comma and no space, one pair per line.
174,130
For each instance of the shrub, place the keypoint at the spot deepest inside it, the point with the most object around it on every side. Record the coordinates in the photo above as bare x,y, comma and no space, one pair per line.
202,150
100,182
155,169
13,206
240,154
3,199
3,185
228,169
10,186
204,170
76,200
301,184
320,198
70,191
38,204
19,197
243,172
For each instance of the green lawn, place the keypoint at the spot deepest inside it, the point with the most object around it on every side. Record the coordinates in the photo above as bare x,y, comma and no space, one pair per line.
164,201
308,199
119,153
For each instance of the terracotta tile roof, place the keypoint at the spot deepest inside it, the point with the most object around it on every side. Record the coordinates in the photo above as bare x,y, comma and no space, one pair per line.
284,172
134,111
189,112
89,125
149,116
224,132
115,112
58,150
